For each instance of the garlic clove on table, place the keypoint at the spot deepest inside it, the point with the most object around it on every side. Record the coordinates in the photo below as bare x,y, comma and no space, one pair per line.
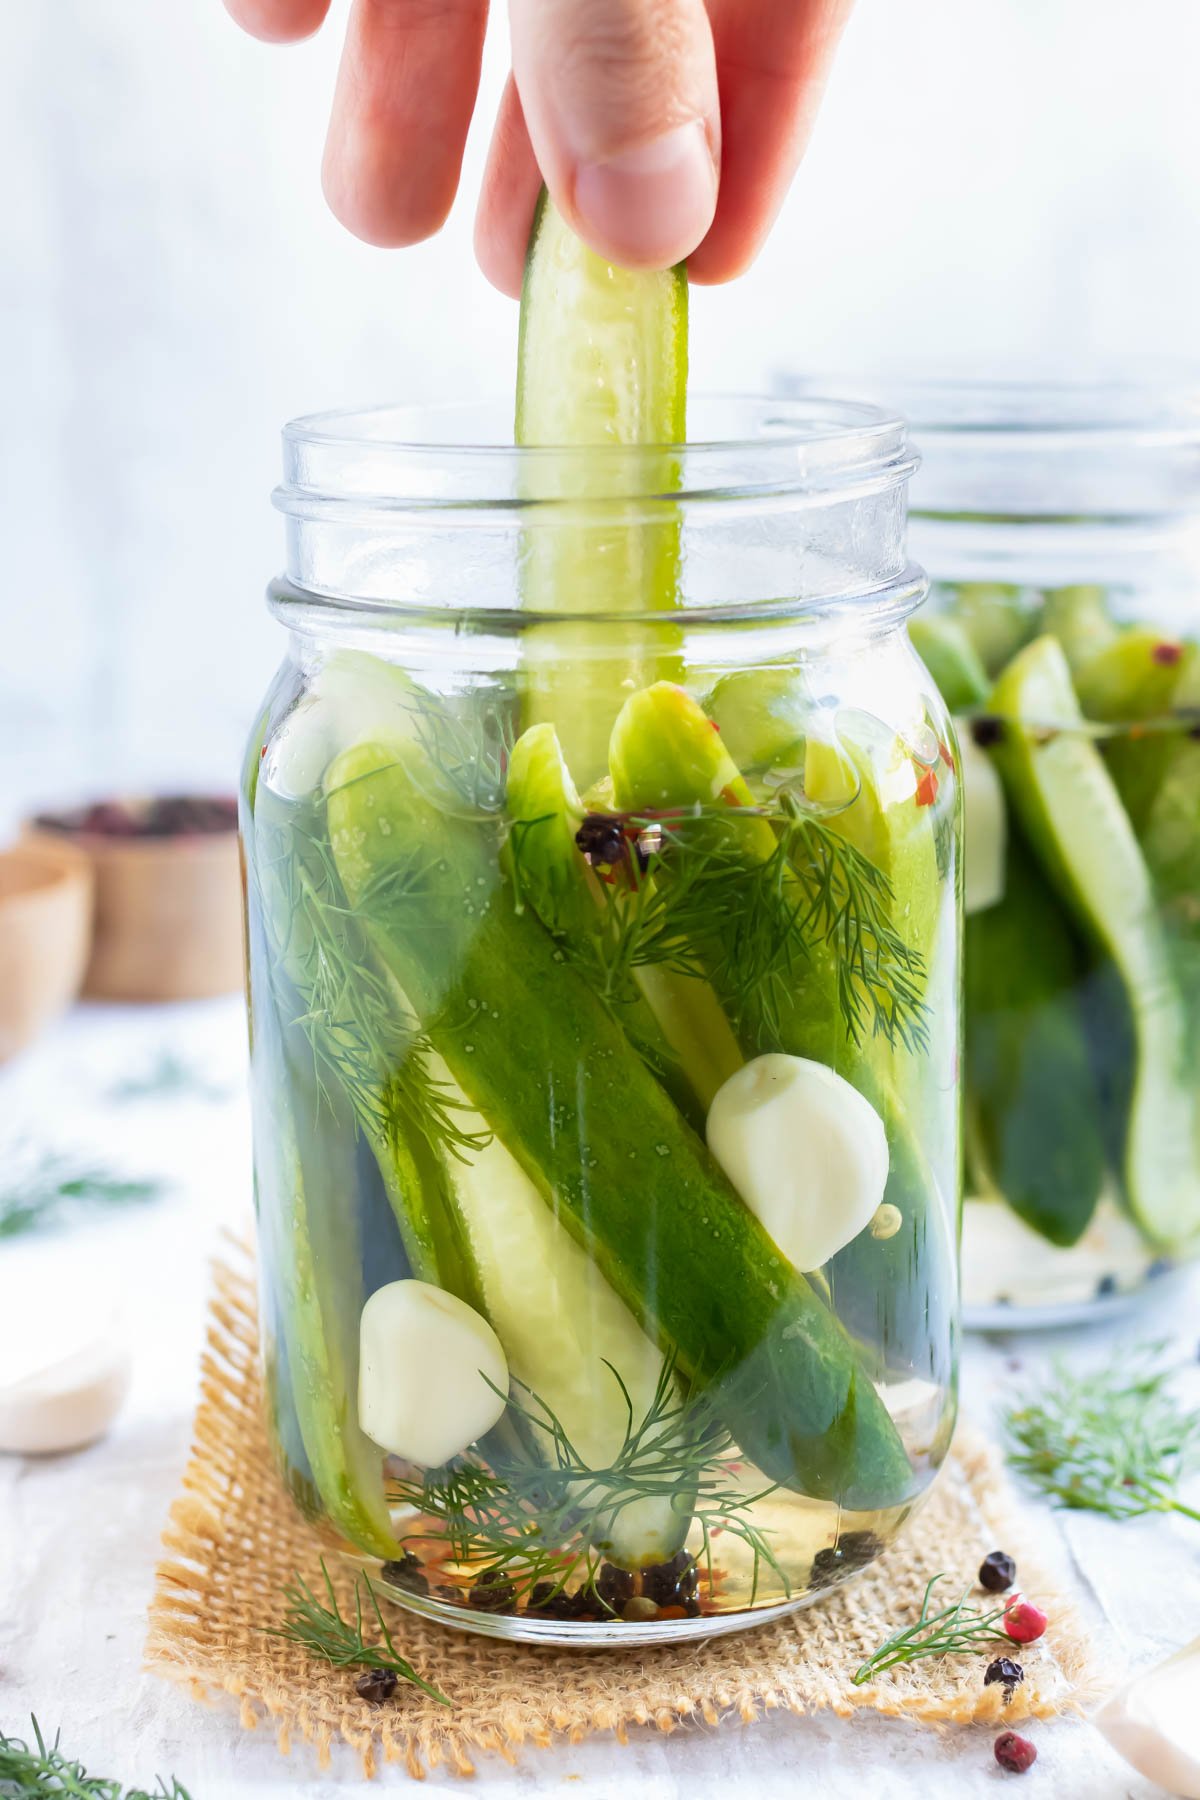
806,1152
432,1374
66,1401
1153,1721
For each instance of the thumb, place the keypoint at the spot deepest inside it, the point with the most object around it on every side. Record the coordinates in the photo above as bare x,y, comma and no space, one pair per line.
620,98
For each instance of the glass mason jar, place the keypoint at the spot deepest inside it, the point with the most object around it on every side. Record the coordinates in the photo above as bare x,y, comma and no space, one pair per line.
600,834
1061,529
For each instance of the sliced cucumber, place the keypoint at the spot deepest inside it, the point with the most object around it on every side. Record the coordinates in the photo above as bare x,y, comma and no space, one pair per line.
956,666
1033,1108
897,1292
995,617
673,1020
602,355
542,1059
1136,681
1134,677
563,1329
1080,619
764,716
311,1253
602,362
1072,814
985,827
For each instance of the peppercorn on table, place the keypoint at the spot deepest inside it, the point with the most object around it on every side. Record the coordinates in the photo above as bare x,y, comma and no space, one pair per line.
157,1095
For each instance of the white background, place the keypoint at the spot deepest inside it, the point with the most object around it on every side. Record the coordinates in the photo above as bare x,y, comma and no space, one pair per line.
992,181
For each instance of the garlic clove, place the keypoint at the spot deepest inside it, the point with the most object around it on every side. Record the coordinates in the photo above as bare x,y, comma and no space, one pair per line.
425,1363
985,827
1154,1722
806,1152
67,1402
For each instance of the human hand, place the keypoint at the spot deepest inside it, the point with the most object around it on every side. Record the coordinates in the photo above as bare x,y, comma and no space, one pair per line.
664,129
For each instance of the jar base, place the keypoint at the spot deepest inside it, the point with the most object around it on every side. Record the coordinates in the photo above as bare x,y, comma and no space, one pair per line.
1013,1280
597,1634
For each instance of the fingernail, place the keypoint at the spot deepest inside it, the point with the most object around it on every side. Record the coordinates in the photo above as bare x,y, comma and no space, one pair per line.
650,206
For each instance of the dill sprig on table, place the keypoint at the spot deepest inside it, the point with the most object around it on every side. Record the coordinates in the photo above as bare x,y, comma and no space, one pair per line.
324,1631
168,1077
55,1183
525,1521
954,1631
42,1769
1114,1440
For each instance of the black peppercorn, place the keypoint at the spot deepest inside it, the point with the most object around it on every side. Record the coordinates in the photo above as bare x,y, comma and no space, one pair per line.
601,837
673,1583
376,1685
987,731
997,1572
853,1551
1004,1669
406,1573
614,1586
492,1592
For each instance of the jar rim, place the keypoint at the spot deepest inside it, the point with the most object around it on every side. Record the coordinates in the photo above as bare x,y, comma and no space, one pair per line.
380,458
1055,414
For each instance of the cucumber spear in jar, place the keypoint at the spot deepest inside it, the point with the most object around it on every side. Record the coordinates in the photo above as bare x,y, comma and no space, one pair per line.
591,1127
602,362
791,924
1061,791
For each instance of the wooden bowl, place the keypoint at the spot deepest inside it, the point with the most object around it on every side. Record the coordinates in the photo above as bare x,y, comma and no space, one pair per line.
45,934
168,920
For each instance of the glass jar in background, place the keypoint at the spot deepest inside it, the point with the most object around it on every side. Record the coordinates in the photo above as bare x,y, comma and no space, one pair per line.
601,845
1061,530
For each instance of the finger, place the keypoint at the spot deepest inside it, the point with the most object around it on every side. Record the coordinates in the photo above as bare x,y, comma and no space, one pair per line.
773,58
404,98
620,98
512,182
278,21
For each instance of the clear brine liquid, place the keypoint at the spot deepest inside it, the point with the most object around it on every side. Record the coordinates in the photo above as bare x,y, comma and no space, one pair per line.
456,1079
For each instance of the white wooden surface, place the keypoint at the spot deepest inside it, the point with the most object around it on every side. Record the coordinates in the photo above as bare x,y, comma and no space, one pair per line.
79,1534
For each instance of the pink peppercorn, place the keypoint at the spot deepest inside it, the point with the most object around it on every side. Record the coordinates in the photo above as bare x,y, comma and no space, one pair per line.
1014,1753
1023,1621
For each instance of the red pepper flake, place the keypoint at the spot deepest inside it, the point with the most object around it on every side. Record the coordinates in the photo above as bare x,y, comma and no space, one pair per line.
946,756
1167,654
927,788
714,725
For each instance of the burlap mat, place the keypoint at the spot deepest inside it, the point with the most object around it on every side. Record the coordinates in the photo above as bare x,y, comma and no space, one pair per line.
233,1539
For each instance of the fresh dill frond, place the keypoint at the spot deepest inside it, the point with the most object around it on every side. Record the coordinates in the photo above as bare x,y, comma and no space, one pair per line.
527,1521
701,904
54,1184
953,1631
167,1077
851,903
42,1768
324,1631
1113,1440
469,747
358,1026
